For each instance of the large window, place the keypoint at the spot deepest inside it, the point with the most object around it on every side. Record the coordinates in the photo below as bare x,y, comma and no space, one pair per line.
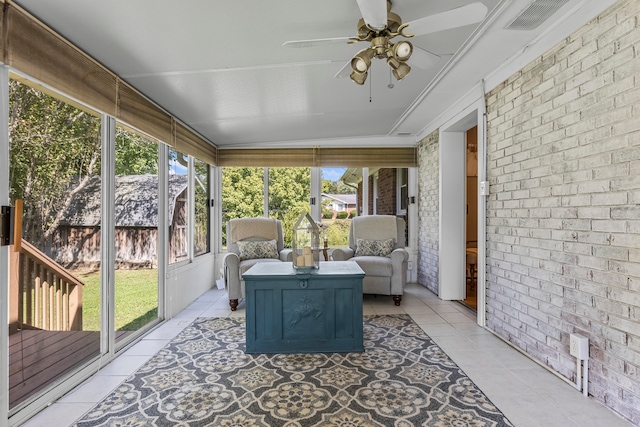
201,227
402,195
339,205
189,199
136,231
178,206
286,195
242,195
289,193
54,298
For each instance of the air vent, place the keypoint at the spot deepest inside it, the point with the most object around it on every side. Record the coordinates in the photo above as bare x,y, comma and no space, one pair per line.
534,15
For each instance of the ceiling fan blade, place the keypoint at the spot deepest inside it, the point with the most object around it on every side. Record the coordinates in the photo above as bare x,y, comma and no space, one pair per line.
315,42
458,17
374,13
423,59
345,71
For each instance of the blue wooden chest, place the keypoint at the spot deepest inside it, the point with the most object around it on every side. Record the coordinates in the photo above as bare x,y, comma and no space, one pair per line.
315,312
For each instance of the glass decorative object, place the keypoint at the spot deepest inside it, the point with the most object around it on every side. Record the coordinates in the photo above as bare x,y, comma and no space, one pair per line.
306,244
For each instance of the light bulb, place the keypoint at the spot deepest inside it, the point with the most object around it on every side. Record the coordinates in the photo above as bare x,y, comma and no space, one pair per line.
403,50
361,65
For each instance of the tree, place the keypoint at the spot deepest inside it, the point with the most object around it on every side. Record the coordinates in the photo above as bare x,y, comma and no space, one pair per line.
329,187
289,193
336,187
288,189
135,155
52,145
243,195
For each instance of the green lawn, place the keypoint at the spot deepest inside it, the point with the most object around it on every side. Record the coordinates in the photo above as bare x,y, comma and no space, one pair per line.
136,299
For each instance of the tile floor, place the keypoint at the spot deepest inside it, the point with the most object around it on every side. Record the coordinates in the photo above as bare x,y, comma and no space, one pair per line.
527,394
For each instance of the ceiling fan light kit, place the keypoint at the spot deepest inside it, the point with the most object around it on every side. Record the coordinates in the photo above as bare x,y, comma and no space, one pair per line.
399,70
396,55
379,26
359,78
380,36
362,60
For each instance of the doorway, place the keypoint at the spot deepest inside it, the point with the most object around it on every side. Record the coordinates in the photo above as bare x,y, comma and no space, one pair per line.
455,192
471,296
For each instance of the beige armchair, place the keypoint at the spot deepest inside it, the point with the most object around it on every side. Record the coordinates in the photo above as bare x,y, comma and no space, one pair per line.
250,241
377,244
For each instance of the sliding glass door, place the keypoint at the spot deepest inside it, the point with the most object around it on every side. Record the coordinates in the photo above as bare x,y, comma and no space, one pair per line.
136,232
56,277
54,285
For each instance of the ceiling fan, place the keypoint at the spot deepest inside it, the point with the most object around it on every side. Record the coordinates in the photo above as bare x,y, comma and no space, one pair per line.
379,26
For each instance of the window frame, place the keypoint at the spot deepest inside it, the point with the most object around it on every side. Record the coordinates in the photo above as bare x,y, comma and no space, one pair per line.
192,166
400,185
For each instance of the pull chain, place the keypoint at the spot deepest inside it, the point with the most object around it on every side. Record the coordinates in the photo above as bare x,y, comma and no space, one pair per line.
370,78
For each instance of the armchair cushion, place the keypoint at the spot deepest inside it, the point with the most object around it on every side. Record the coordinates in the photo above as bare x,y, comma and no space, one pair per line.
366,247
375,265
258,249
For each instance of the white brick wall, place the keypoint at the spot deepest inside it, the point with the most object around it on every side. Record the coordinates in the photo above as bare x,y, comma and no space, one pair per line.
428,211
563,226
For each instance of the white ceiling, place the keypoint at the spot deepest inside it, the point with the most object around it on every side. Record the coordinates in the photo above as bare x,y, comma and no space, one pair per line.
220,67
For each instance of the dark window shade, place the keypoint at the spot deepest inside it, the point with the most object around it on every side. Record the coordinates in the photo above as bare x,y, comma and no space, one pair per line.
31,48
272,157
187,141
368,157
135,109
36,51
318,157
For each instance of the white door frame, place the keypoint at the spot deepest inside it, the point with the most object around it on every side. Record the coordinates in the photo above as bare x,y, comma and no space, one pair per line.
452,238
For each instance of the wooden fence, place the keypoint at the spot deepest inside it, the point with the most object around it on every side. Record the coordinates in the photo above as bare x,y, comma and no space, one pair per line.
42,294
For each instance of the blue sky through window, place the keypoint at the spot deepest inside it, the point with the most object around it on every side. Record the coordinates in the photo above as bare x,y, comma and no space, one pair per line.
176,168
332,174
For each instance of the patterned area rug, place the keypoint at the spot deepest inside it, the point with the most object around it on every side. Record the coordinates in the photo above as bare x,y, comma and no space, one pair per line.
204,378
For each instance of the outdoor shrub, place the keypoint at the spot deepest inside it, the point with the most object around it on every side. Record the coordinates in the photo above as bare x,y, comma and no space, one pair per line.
342,215
338,233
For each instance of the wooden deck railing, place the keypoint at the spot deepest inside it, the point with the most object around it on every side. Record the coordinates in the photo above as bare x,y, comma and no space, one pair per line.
42,294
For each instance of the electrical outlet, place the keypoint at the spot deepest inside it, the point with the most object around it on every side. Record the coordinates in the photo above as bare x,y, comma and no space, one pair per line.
409,265
579,346
573,345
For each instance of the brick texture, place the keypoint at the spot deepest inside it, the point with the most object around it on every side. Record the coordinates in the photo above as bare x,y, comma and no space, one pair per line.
387,195
563,227
428,211
387,192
